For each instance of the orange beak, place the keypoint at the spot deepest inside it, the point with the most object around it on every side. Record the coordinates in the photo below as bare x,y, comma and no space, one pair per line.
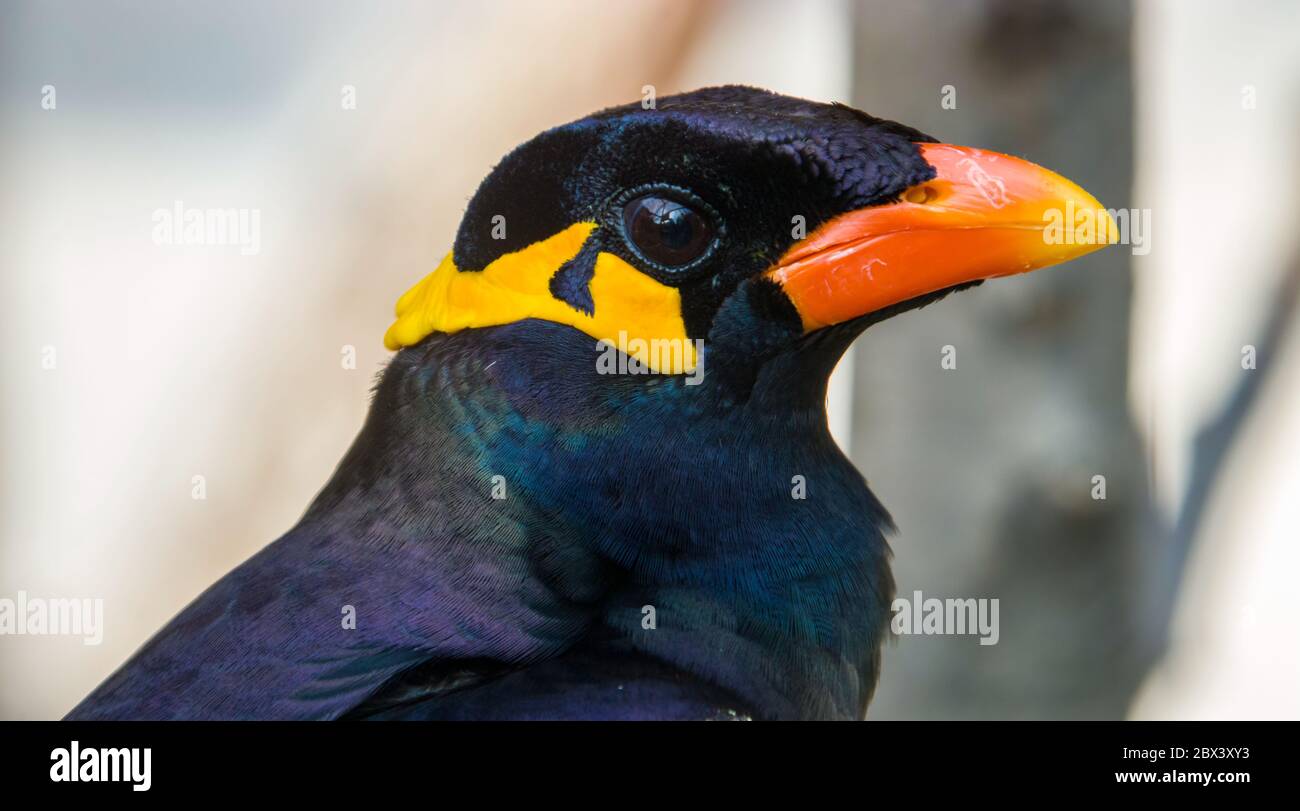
983,215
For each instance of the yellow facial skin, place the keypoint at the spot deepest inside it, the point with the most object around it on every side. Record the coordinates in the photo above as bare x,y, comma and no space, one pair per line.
517,286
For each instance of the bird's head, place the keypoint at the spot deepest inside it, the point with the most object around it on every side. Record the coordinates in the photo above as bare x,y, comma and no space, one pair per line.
733,225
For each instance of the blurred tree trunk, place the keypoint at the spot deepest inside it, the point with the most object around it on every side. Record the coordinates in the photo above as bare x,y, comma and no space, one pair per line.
988,468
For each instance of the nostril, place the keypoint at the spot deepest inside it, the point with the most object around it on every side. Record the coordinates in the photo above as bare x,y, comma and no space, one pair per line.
921,195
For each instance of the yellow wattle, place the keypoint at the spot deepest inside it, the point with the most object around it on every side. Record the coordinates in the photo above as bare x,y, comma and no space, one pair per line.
632,311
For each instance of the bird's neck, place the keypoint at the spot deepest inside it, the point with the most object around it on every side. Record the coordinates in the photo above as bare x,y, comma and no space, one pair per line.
734,540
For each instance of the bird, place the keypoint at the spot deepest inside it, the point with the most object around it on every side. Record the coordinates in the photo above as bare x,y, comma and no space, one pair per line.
596,479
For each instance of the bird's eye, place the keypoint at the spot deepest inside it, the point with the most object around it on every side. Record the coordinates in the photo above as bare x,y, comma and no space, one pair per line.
666,231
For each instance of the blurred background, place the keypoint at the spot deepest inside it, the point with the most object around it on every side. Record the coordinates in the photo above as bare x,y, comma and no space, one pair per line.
359,131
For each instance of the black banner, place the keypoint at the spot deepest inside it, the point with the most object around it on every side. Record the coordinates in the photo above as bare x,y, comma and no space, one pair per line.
211,760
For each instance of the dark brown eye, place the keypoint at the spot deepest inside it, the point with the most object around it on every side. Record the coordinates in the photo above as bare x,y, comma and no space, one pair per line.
666,231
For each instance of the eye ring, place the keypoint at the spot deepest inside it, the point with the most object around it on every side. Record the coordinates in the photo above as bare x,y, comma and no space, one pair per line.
666,227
